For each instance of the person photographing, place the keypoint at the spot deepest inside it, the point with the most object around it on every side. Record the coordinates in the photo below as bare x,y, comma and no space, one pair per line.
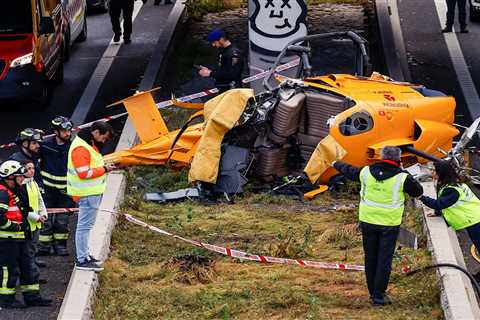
86,182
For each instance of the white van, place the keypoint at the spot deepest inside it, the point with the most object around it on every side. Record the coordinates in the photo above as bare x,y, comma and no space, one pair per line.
75,17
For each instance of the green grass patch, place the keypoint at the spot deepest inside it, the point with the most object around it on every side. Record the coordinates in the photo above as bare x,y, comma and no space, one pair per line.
145,277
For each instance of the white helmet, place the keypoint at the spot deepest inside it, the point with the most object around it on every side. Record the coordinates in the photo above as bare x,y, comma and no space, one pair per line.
11,168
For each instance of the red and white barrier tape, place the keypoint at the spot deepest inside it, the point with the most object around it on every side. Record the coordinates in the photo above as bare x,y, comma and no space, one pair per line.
246,256
168,103
263,74
62,210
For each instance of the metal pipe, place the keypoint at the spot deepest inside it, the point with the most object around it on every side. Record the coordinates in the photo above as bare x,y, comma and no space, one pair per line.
420,153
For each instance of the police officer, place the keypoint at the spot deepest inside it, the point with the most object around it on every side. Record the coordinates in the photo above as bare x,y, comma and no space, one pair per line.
28,140
462,15
382,196
54,153
228,73
456,202
14,229
124,7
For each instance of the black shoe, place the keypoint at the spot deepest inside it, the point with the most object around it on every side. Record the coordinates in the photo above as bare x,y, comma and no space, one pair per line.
44,250
156,3
40,263
127,40
464,30
42,281
88,266
61,251
116,37
383,301
15,304
447,30
38,302
92,259
168,2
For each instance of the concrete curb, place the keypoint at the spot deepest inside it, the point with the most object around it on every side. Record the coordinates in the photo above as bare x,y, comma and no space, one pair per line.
77,303
457,295
392,37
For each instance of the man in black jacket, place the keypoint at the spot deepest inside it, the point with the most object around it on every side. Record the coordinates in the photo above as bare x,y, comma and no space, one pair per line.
383,186
125,8
462,15
228,74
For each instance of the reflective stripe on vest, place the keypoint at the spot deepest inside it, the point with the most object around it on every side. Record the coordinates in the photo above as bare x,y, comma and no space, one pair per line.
33,195
466,211
12,235
382,202
84,187
50,180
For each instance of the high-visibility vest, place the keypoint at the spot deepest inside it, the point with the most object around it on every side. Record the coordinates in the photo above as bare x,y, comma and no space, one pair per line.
14,215
33,194
466,211
381,202
84,187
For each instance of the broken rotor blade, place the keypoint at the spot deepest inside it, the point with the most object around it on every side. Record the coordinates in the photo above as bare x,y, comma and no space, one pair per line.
466,137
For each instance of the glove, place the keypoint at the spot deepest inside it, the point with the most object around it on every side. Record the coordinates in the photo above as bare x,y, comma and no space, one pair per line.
33,216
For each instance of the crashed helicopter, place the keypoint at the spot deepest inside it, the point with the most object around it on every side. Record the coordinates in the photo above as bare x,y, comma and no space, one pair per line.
298,125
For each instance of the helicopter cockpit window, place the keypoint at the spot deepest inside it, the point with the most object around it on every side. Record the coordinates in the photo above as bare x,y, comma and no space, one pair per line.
357,123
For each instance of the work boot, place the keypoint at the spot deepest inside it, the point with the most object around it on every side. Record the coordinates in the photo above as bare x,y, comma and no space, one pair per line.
463,29
37,301
44,250
40,263
168,2
14,304
382,301
116,37
447,29
127,40
61,248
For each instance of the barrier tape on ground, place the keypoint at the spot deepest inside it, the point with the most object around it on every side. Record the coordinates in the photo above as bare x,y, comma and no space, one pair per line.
168,103
244,255
62,210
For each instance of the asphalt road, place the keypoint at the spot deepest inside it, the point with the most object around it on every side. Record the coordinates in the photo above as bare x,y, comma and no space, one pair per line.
121,81
434,69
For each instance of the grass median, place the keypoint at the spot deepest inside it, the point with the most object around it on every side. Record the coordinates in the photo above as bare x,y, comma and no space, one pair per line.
150,276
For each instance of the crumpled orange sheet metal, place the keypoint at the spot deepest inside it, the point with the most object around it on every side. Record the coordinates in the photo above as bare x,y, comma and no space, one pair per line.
327,151
221,114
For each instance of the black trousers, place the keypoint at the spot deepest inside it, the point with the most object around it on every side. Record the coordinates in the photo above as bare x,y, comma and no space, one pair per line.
56,227
124,7
379,247
474,234
9,256
29,271
462,12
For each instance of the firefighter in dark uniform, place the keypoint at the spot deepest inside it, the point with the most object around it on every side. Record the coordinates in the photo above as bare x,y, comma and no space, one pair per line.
54,153
15,251
228,74
28,140
125,8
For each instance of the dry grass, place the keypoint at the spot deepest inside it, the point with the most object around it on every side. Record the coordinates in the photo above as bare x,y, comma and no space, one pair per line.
150,276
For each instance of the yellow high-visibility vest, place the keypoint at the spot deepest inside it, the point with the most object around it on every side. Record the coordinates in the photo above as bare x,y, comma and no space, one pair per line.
381,202
85,187
466,211
33,194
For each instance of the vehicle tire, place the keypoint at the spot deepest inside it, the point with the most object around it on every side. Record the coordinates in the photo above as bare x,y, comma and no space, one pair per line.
43,100
474,16
83,35
66,46
58,77
106,6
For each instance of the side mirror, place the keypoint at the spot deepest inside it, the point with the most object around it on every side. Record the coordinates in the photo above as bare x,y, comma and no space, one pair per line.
46,25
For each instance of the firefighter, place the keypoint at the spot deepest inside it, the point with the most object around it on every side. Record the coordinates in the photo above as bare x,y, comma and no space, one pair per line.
228,73
86,181
382,197
28,140
54,153
15,253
